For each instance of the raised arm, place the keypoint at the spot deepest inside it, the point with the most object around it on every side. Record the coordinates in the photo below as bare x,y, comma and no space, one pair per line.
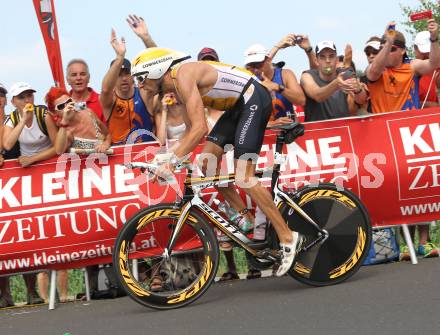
110,78
428,66
11,133
137,24
375,69
291,40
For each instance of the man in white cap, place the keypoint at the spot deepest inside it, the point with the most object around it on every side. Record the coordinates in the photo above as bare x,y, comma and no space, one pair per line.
428,98
282,83
428,83
326,90
372,48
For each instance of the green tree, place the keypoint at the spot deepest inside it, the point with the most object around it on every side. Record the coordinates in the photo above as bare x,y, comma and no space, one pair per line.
414,27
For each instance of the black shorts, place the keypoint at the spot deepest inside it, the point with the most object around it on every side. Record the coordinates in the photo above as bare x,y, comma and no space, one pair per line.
245,124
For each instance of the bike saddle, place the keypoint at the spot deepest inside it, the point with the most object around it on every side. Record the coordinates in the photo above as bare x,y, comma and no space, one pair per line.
291,131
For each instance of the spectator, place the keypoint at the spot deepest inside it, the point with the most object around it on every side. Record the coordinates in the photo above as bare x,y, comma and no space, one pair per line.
391,75
79,128
428,83
78,77
371,49
124,106
281,82
21,135
28,125
326,91
427,94
346,64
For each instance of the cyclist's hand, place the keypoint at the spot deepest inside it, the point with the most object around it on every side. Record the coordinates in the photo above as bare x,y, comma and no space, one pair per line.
164,172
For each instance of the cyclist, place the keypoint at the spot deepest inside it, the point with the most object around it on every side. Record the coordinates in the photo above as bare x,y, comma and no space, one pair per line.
247,105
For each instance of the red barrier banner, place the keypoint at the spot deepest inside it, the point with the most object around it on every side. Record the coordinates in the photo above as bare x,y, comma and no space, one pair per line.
45,11
66,212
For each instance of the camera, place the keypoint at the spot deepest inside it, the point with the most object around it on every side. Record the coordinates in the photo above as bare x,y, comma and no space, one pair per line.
348,74
298,39
79,106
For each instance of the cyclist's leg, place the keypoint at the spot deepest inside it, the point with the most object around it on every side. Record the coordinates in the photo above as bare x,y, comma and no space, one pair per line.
247,181
210,160
254,116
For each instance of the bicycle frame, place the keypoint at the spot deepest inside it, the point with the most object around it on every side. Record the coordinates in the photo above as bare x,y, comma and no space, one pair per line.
192,199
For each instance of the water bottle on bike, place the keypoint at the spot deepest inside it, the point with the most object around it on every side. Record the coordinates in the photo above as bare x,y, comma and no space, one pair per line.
233,215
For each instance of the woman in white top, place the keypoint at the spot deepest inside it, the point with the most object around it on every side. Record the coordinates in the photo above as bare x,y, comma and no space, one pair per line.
170,122
23,126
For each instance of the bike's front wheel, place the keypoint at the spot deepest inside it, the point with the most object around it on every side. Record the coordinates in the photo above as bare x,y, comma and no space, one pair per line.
347,222
157,277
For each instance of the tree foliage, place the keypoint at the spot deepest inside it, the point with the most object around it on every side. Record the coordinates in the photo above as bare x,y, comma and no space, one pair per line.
414,27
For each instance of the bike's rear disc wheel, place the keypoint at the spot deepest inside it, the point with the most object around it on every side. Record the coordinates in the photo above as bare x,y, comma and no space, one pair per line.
186,273
346,220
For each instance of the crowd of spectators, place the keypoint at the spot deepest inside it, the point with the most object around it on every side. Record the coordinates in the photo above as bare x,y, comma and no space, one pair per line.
330,88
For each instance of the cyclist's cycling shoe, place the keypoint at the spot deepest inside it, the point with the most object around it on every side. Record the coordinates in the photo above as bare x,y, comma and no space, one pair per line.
287,254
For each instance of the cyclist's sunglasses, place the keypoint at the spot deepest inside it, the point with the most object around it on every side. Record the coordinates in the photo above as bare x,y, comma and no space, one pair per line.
141,78
61,106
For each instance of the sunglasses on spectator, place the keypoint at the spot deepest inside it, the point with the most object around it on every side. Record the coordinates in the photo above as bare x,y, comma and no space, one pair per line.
393,48
61,106
255,65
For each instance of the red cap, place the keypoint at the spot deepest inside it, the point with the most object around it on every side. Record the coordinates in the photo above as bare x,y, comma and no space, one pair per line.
207,52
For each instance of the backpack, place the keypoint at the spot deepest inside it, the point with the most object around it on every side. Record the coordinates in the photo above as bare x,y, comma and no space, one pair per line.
384,247
40,112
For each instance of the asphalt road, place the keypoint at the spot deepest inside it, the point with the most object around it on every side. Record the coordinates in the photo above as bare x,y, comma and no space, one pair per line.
397,298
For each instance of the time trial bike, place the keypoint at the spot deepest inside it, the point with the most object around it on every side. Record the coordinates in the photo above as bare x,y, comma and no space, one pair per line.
166,256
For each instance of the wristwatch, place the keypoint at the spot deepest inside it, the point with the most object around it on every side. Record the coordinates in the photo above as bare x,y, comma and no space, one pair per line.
308,50
281,88
433,40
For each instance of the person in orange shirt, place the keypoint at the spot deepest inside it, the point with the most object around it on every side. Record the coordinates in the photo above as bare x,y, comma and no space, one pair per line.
393,77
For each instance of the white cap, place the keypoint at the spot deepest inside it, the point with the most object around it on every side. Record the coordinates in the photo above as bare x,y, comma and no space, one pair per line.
20,87
373,44
422,41
3,89
325,45
255,53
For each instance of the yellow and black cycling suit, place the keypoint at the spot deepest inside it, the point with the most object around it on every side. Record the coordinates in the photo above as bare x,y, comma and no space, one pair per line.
247,105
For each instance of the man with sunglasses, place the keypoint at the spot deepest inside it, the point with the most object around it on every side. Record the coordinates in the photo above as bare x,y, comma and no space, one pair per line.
282,83
123,104
326,90
393,77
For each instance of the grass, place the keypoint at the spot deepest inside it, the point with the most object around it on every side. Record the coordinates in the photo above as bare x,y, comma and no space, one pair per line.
76,281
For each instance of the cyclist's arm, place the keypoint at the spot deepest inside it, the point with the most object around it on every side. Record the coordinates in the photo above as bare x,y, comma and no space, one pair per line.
190,96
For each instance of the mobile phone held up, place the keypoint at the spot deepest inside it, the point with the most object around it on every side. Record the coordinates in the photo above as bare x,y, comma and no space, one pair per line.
426,15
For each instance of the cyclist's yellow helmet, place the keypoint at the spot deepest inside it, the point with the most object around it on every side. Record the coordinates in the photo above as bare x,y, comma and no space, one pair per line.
154,62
